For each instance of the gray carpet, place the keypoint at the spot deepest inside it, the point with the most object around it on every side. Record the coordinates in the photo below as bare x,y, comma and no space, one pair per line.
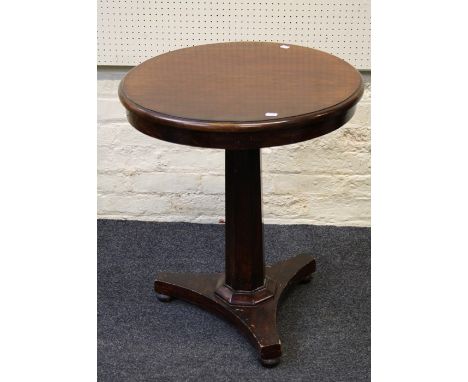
324,326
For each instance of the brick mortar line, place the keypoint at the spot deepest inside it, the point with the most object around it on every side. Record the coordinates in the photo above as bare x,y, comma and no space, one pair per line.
202,193
220,175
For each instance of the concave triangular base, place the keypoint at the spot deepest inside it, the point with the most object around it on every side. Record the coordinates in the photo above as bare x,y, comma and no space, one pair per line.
257,322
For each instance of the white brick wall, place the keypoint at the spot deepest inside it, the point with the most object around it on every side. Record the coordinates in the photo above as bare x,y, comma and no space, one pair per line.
322,181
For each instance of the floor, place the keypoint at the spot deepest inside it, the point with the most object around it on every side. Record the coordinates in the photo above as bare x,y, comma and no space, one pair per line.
324,326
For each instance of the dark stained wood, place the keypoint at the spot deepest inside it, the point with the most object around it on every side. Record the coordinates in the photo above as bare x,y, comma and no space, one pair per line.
245,282
218,95
257,322
244,229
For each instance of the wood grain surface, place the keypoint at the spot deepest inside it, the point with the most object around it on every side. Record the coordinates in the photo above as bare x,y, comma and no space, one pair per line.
233,95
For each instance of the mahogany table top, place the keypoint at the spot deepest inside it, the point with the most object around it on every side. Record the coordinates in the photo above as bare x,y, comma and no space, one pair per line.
241,95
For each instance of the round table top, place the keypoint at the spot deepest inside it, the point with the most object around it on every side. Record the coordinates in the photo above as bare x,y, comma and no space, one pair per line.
241,95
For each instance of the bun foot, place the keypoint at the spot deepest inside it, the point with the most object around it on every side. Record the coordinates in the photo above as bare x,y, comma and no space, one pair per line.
306,279
270,362
163,297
